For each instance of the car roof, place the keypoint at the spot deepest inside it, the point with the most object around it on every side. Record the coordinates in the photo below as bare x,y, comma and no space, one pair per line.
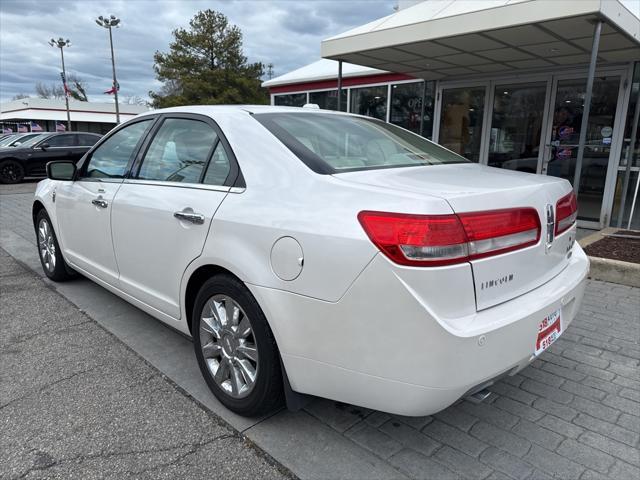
248,109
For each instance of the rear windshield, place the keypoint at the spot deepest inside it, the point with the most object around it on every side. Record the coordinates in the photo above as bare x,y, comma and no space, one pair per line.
330,143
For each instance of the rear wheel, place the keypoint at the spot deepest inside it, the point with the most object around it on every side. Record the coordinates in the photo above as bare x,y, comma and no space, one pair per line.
11,172
235,348
51,259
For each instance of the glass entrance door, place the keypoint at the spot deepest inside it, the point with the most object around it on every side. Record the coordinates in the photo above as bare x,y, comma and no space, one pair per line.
461,120
516,126
564,136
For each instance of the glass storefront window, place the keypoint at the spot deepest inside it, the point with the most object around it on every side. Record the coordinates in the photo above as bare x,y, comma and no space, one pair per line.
617,201
567,120
370,101
328,100
290,99
406,107
516,126
630,151
461,121
635,153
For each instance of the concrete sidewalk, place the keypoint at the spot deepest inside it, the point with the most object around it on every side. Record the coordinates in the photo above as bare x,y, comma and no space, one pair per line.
76,402
574,414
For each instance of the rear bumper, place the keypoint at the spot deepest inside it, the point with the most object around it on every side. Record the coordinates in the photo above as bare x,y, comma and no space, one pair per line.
381,346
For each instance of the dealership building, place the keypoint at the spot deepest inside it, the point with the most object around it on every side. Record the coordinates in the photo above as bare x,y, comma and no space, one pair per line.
50,115
541,86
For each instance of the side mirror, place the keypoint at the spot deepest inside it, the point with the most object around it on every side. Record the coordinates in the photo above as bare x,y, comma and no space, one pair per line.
61,170
44,146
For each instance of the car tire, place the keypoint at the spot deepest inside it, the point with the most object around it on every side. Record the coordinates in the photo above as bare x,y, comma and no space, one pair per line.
49,252
11,171
238,358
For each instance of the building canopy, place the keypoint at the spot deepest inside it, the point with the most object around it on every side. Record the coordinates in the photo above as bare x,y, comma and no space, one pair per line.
443,38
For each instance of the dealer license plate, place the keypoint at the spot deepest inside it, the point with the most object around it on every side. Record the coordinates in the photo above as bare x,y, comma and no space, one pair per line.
549,330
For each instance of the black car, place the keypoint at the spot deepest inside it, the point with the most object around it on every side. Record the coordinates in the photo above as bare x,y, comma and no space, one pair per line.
30,158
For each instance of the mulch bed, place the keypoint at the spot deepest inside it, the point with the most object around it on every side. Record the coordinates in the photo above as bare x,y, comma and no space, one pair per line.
616,248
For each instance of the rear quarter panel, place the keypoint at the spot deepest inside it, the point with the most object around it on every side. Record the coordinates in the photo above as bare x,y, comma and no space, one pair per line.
283,197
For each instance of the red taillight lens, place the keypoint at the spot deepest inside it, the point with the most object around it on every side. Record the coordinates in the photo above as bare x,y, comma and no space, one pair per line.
566,212
500,231
435,240
416,239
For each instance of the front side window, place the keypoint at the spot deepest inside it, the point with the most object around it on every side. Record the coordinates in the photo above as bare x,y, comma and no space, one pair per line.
333,143
111,158
179,151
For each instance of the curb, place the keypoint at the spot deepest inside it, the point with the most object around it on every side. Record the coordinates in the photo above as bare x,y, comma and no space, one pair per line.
608,270
615,271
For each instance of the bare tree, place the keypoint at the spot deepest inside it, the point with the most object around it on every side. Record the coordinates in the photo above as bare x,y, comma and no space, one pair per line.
49,91
77,89
20,96
135,100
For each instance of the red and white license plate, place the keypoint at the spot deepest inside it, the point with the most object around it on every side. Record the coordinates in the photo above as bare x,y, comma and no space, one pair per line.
549,330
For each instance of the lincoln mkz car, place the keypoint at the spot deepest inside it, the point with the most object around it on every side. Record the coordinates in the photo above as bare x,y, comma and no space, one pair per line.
29,158
321,253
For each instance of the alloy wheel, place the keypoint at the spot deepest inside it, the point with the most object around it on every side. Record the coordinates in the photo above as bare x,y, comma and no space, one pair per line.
46,245
10,172
228,346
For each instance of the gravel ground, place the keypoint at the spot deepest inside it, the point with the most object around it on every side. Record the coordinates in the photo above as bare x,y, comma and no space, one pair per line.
75,402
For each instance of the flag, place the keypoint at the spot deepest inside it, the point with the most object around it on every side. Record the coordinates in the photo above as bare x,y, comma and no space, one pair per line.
113,89
60,127
67,92
22,129
35,127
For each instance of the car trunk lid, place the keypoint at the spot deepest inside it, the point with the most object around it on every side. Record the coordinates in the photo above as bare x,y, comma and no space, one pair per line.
477,188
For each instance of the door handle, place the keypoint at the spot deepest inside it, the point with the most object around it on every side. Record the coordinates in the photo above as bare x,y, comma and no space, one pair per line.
99,202
190,216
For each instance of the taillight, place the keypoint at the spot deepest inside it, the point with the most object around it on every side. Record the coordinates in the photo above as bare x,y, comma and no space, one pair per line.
566,212
435,240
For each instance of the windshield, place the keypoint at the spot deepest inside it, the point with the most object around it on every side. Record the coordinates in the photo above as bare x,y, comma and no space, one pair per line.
330,143
7,140
33,140
20,139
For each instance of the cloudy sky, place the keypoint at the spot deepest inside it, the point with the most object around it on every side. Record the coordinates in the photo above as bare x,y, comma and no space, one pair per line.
286,33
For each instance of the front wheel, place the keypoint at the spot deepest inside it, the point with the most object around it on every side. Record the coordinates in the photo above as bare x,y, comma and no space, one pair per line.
51,259
11,171
235,347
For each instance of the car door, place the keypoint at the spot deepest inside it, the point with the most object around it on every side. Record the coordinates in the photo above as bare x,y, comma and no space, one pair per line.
55,147
83,207
161,215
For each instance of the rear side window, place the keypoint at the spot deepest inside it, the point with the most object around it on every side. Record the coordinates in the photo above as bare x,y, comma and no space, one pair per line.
111,158
65,140
330,143
219,167
179,151
87,140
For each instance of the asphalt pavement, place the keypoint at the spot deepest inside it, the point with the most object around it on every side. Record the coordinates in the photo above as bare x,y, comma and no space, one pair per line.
75,402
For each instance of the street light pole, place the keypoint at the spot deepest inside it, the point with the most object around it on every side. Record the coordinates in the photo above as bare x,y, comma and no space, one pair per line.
108,23
61,43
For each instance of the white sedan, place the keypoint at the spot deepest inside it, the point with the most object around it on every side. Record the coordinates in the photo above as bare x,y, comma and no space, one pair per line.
316,252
